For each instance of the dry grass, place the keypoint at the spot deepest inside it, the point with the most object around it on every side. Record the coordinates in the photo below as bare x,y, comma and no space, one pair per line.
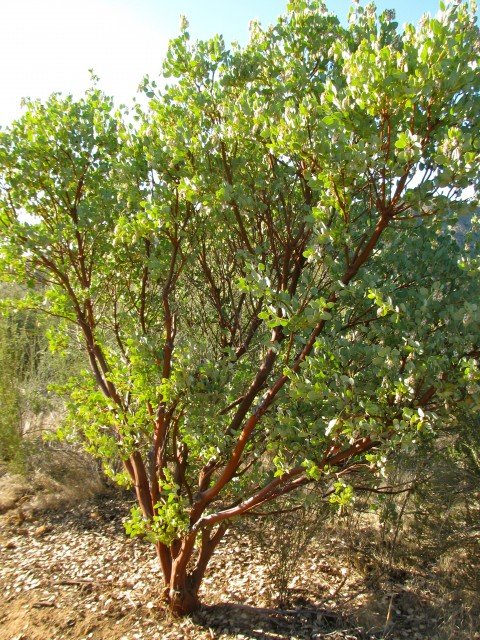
12,489
57,477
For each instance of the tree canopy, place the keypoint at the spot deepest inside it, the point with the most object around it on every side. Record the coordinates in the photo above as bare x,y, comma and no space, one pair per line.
262,265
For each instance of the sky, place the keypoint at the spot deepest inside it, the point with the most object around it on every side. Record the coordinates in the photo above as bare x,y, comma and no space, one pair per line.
49,45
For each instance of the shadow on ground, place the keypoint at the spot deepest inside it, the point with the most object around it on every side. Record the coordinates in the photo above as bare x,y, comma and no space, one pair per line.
276,623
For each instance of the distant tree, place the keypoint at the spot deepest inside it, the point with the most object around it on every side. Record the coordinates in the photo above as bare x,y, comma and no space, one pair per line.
11,453
27,369
261,265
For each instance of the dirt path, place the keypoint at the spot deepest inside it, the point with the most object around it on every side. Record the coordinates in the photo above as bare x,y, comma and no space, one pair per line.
75,575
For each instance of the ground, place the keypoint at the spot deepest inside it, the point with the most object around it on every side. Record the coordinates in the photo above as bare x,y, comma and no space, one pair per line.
71,573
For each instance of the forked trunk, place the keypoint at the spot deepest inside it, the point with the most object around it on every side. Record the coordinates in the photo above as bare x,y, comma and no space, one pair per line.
182,585
183,598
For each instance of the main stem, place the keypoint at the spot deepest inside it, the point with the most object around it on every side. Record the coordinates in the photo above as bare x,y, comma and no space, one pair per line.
181,582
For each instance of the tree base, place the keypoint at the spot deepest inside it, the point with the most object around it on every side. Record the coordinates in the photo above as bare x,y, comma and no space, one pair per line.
182,603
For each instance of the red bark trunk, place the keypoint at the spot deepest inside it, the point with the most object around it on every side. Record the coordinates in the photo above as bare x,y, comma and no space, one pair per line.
182,586
183,598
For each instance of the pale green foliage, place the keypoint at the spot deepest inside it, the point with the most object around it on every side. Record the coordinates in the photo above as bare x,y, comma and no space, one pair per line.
343,495
170,519
301,190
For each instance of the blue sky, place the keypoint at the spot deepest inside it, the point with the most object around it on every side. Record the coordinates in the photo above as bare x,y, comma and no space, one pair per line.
231,18
49,45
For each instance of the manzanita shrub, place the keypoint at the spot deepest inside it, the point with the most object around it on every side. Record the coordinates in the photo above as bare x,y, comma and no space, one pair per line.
263,265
